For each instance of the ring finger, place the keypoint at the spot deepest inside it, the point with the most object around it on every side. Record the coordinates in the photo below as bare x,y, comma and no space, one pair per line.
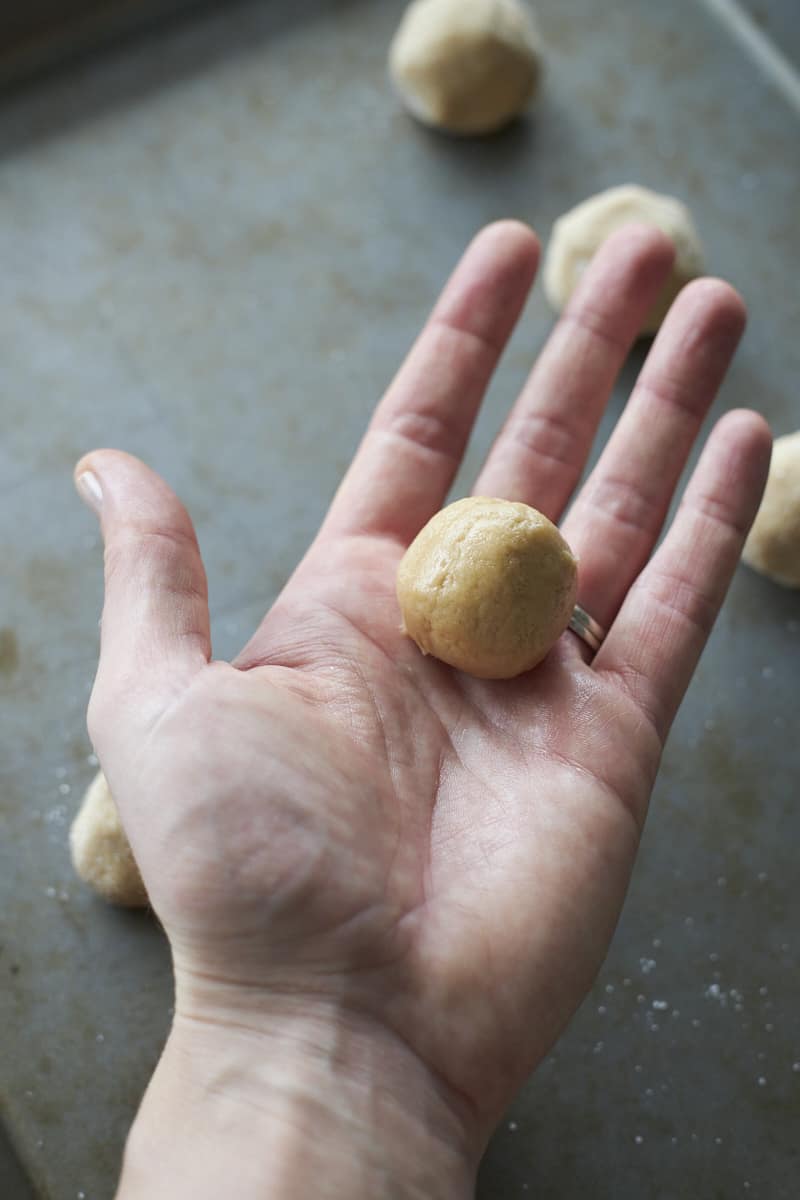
618,514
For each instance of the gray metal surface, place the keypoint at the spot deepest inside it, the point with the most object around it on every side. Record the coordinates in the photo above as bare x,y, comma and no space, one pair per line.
216,247
779,20
41,33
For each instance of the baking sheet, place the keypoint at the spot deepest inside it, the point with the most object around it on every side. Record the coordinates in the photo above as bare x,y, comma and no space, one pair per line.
157,208
42,33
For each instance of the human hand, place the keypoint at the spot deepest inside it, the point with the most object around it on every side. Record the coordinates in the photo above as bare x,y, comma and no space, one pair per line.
387,886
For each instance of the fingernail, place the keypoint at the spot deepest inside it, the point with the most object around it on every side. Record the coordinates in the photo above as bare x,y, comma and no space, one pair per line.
89,490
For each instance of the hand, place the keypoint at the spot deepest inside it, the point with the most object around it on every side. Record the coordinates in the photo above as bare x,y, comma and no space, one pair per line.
387,886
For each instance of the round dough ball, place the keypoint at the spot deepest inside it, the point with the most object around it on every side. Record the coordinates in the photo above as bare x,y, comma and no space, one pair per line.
466,66
487,586
580,232
773,546
101,853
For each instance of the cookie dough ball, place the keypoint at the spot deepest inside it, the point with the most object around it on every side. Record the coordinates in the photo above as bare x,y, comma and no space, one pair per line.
466,66
773,546
580,232
487,586
101,854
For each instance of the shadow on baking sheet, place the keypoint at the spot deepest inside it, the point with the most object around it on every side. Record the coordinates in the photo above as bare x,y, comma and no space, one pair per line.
13,1183
201,33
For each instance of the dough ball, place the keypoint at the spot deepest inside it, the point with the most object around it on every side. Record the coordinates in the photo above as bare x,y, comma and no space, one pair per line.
101,853
487,586
466,66
773,546
580,232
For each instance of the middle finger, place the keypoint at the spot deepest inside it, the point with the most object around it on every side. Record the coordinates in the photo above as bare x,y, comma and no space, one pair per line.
540,453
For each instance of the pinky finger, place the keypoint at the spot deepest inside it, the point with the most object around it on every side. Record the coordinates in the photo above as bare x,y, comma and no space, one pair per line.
655,642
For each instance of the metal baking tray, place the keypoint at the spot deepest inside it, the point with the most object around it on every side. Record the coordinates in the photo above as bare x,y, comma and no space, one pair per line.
42,33
162,207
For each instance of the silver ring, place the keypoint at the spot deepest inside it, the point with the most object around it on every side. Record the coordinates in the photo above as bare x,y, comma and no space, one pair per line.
589,630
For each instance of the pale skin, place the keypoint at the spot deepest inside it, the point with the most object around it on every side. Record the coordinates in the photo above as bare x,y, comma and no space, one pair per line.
387,886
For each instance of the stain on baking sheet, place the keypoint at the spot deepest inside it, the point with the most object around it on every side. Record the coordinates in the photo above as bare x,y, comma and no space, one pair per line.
9,652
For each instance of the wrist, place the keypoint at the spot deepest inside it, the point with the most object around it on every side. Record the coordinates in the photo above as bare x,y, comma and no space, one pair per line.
318,1104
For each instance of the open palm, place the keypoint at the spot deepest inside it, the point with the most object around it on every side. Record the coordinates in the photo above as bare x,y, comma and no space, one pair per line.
334,815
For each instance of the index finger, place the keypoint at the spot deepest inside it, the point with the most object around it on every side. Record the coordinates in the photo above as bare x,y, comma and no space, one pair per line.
406,463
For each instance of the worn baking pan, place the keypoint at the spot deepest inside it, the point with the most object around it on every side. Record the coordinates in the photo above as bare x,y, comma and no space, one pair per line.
161,210
42,33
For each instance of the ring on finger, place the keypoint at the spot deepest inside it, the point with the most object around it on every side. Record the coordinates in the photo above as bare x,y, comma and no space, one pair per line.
585,626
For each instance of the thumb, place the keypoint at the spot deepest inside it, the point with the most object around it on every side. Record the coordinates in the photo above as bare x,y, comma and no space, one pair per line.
155,627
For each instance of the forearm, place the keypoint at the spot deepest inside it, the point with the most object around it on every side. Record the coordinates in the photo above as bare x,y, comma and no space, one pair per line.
332,1114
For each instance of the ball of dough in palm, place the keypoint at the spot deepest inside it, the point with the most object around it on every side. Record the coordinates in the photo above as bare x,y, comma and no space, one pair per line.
466,66
773,546
579,233
101,853
487,586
